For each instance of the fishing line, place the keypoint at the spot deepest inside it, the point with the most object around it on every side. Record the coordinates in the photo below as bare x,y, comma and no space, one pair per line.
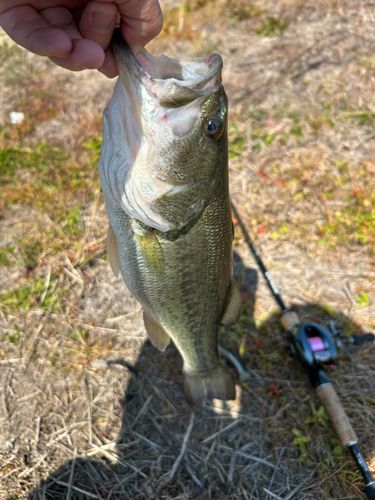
314,345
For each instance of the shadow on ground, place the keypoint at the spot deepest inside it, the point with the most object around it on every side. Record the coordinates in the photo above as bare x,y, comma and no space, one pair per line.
242,449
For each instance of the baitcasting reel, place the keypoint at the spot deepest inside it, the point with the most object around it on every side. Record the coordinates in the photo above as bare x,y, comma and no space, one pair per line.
312,344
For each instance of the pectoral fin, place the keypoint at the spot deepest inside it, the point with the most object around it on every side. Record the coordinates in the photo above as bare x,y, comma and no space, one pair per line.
150,247
112,251
233,310
157,335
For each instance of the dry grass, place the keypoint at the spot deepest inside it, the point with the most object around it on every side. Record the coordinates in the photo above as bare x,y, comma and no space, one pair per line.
77,422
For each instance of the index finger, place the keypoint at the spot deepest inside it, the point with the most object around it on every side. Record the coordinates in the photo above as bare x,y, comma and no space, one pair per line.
27,28
141,21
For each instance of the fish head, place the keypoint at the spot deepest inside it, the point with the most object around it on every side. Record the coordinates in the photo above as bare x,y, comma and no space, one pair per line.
165,136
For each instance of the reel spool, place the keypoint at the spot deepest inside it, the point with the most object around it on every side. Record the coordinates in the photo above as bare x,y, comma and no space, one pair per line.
312,344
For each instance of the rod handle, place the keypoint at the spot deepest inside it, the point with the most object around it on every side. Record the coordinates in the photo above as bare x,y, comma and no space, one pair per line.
289,319
330,400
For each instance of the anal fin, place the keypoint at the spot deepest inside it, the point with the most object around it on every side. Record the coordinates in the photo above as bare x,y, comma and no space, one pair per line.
157,335
112,251
233,309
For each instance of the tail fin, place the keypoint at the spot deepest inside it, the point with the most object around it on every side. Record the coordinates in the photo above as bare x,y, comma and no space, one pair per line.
218,384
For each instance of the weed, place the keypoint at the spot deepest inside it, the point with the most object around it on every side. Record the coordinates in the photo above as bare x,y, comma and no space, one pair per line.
236,146
271,26
13,336
83,348
28,296
316,415
296,130
6,255
301,441
9,51
241,10
72,220
336,450
30,250
44,179
362,300
94,144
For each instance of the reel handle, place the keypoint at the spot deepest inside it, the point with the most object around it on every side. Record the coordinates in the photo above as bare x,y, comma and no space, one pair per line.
357,339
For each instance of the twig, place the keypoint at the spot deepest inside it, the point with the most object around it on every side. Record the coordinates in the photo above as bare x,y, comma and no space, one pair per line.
174,450
110,446
230,474
12,360
221,469
89,408
210,438
30,345
151,443
43,296
296,489
274,472
26,472
6,413
71,474
183,449
163,434
37,430
91,495
272,494
120,318
142,410
250,457
71,275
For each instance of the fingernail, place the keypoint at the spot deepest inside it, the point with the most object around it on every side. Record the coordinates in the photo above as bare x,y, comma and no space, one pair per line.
104,21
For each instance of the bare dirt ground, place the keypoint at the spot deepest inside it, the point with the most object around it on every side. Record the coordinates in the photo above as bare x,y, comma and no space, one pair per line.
300,77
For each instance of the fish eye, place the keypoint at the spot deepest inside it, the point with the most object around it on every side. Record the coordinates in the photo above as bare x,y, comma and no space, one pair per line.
213,127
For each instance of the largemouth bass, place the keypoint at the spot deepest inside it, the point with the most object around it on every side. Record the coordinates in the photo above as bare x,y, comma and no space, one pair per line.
164,175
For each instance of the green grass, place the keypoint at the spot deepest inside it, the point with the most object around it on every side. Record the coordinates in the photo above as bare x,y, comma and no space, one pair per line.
363,300
13,336
53,184
7,255
35,293
271,26
93,144
341,192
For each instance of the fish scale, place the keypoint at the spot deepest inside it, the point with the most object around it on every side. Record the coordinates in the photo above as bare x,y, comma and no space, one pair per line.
180,273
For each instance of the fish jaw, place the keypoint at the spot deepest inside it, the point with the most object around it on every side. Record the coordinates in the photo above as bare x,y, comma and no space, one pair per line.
152,124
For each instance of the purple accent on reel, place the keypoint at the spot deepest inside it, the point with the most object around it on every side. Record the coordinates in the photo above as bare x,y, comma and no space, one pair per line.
317,344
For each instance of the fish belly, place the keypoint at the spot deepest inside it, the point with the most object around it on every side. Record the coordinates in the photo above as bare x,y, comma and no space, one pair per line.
188,296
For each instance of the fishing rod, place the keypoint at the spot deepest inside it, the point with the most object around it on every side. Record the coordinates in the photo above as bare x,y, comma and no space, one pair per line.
314,345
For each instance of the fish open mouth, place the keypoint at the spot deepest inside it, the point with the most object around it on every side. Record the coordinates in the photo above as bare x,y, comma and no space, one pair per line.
173,82
156,102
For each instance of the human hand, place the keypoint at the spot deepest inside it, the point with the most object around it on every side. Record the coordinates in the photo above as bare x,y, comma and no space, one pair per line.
76,34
